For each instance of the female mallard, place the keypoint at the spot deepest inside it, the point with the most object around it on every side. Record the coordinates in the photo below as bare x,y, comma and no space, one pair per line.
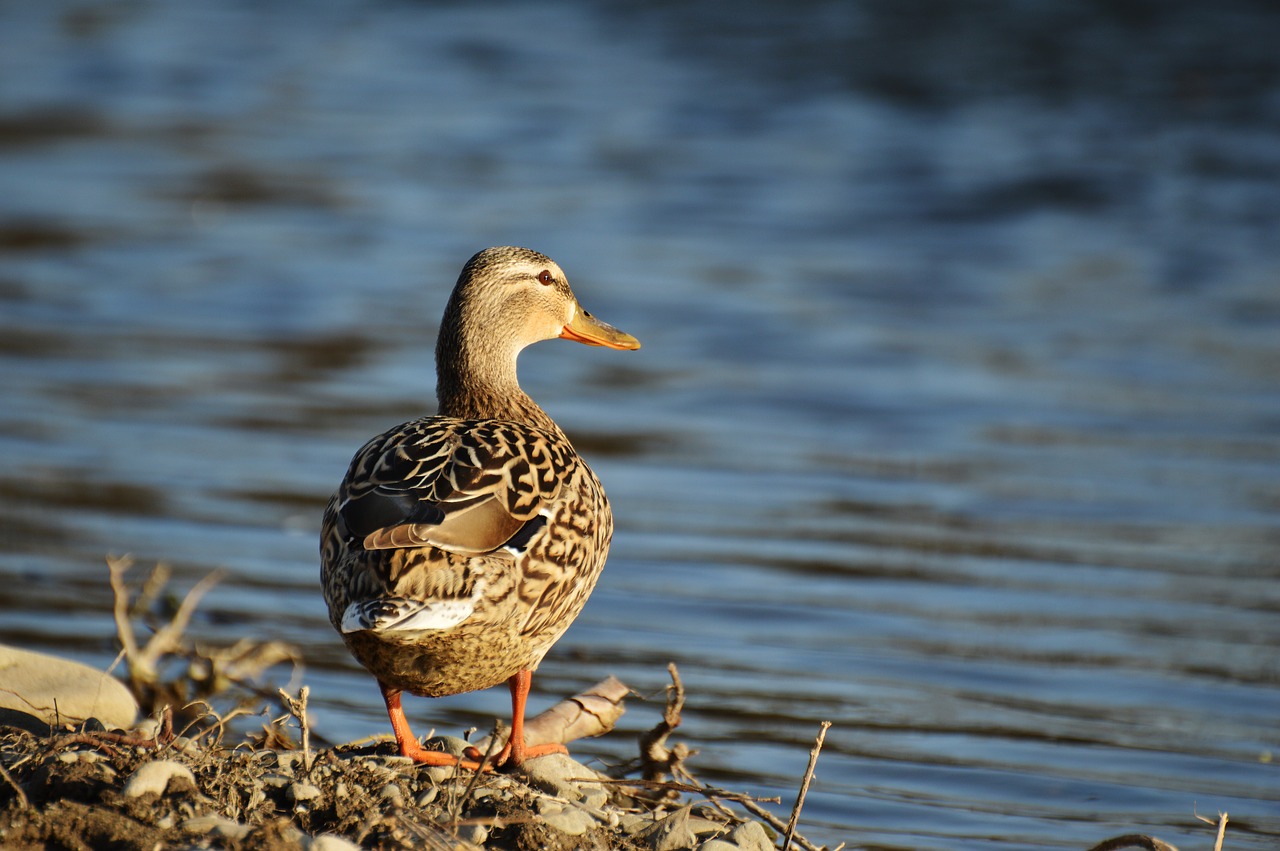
460,547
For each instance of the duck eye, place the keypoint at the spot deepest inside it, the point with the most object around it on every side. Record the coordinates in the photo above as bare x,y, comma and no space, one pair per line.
545,276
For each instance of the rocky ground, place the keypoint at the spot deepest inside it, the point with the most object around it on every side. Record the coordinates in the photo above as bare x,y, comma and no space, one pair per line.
98,790
79,771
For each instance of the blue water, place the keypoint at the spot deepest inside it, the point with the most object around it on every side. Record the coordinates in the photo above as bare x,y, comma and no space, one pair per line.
957,421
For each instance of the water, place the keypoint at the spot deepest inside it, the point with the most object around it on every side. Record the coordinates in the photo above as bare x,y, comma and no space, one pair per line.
957,420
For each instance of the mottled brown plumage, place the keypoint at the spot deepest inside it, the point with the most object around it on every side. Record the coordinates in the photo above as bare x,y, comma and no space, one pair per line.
460,547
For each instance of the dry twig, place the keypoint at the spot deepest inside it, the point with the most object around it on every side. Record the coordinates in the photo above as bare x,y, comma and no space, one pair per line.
8,778
489,751
1222,828
144,661
657,761
804,785
297,707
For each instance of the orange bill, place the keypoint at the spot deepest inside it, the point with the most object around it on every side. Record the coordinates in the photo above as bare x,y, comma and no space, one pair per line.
585,328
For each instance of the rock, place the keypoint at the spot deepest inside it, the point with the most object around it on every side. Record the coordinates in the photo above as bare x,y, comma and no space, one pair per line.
275,781
33,682
447,744
290,762
303,793
670,834
717,845
633,824
329,842
393,795
217,826
594,797
751,836
570,821
147,728
156,777
560,775
701,826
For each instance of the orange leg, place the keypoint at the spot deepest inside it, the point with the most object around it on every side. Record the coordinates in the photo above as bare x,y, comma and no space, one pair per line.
514,752
407,742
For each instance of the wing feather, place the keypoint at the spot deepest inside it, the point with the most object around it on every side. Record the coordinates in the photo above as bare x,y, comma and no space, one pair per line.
457,485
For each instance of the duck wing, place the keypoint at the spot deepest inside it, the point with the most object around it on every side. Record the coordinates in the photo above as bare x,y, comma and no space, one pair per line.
464,486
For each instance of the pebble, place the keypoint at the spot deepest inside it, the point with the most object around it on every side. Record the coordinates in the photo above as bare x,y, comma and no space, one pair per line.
671,834
570,820
392,794
751,836
594,798
705,825
329,842
718,845
184,744
33,682
632,824
303,793
147,728
291,761
276,781
223,827
156,777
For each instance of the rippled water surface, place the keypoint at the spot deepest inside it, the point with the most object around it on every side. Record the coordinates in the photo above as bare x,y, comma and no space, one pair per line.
957,421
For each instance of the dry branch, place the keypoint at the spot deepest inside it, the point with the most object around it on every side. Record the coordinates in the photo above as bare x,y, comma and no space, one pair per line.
144,661
210,671
594,712
804,785
1222,828
657,761
297,707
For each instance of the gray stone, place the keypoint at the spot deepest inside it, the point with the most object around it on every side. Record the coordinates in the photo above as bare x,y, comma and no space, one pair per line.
147,728
392,794
670,834
276,781
570,820
293,761
546,806
447,744
217,826
632,824
560,775
329,842
594,797
303,793
751,836
717,845
52,690
701,826
157,777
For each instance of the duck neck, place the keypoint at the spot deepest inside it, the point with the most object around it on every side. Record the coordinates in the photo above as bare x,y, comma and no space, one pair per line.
476,379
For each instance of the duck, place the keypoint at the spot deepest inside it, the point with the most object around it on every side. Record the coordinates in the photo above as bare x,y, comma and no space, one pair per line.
459,547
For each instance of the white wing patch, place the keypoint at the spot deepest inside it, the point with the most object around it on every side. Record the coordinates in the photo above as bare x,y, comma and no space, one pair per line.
400,614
